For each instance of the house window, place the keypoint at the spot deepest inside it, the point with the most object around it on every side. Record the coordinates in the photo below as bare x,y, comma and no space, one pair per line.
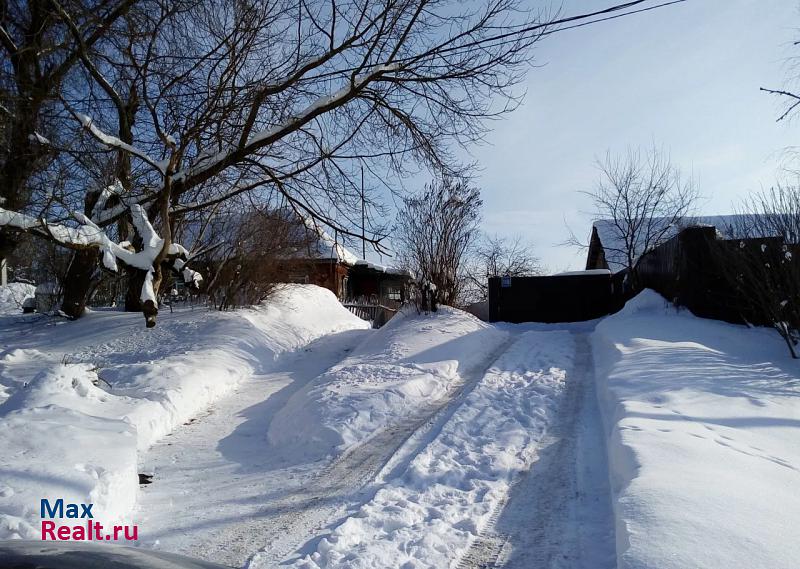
393,293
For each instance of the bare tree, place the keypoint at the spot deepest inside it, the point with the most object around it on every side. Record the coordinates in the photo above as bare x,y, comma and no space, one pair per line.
249,252
39,59
761,261
207,100
497,256
193,102
435,232
641,198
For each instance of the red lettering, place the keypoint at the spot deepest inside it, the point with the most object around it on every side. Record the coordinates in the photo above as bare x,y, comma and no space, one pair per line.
51,531
64,532
47,528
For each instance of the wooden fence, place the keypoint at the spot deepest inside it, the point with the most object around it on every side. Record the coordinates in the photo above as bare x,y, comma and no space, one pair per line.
377,314
557,298
687,270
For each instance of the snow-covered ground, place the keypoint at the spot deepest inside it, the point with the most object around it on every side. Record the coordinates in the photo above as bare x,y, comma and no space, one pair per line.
218,487
429,515
82,400
703,420
294,450
414,361
13,295
294,435
361,448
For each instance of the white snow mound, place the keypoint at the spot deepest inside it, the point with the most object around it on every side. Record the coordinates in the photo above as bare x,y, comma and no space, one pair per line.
703,439
73,430
412,362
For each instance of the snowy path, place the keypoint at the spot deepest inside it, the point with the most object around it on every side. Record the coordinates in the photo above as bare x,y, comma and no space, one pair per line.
558,514
303,518
250,500
210,514
263,507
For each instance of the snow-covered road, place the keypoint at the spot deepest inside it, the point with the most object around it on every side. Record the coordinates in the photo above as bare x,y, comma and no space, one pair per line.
305,517
558,514
217,491
249,499
222,492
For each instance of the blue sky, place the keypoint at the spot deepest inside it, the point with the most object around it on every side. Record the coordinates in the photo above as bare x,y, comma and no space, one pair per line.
686,77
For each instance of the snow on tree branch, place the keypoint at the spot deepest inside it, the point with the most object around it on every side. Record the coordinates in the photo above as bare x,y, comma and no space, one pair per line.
89,235
268,136
114,142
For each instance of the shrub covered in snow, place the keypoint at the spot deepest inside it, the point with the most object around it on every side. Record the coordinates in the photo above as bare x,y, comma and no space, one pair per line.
13,296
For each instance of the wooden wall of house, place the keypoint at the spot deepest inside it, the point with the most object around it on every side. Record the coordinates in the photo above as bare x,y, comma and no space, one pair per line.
326,273
330,275
371,285
686,271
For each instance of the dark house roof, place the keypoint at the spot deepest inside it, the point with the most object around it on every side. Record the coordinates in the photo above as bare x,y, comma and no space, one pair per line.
607,248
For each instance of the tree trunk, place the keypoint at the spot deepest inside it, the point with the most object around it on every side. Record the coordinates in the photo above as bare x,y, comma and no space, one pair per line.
133,300
78,282
786,334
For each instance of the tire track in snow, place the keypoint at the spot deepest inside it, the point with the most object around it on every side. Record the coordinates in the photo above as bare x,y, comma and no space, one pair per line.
557,514
305,517
213,477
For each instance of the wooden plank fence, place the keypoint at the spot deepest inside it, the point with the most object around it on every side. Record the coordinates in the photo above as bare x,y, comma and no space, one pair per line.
377,314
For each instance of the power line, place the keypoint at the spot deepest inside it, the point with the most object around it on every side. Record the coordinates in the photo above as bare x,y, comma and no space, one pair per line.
535,30
510,37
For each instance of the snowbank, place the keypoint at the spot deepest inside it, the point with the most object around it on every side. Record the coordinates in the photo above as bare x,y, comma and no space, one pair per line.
72,430
703,419
412,362
430,515
13,295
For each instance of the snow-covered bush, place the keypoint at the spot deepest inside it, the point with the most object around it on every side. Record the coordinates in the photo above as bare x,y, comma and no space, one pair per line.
13,296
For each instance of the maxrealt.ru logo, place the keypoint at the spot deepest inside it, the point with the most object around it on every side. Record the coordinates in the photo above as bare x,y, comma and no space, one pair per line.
90,531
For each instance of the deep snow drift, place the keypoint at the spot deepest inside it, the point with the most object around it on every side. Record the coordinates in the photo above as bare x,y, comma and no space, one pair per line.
413,361
81,398
704,440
